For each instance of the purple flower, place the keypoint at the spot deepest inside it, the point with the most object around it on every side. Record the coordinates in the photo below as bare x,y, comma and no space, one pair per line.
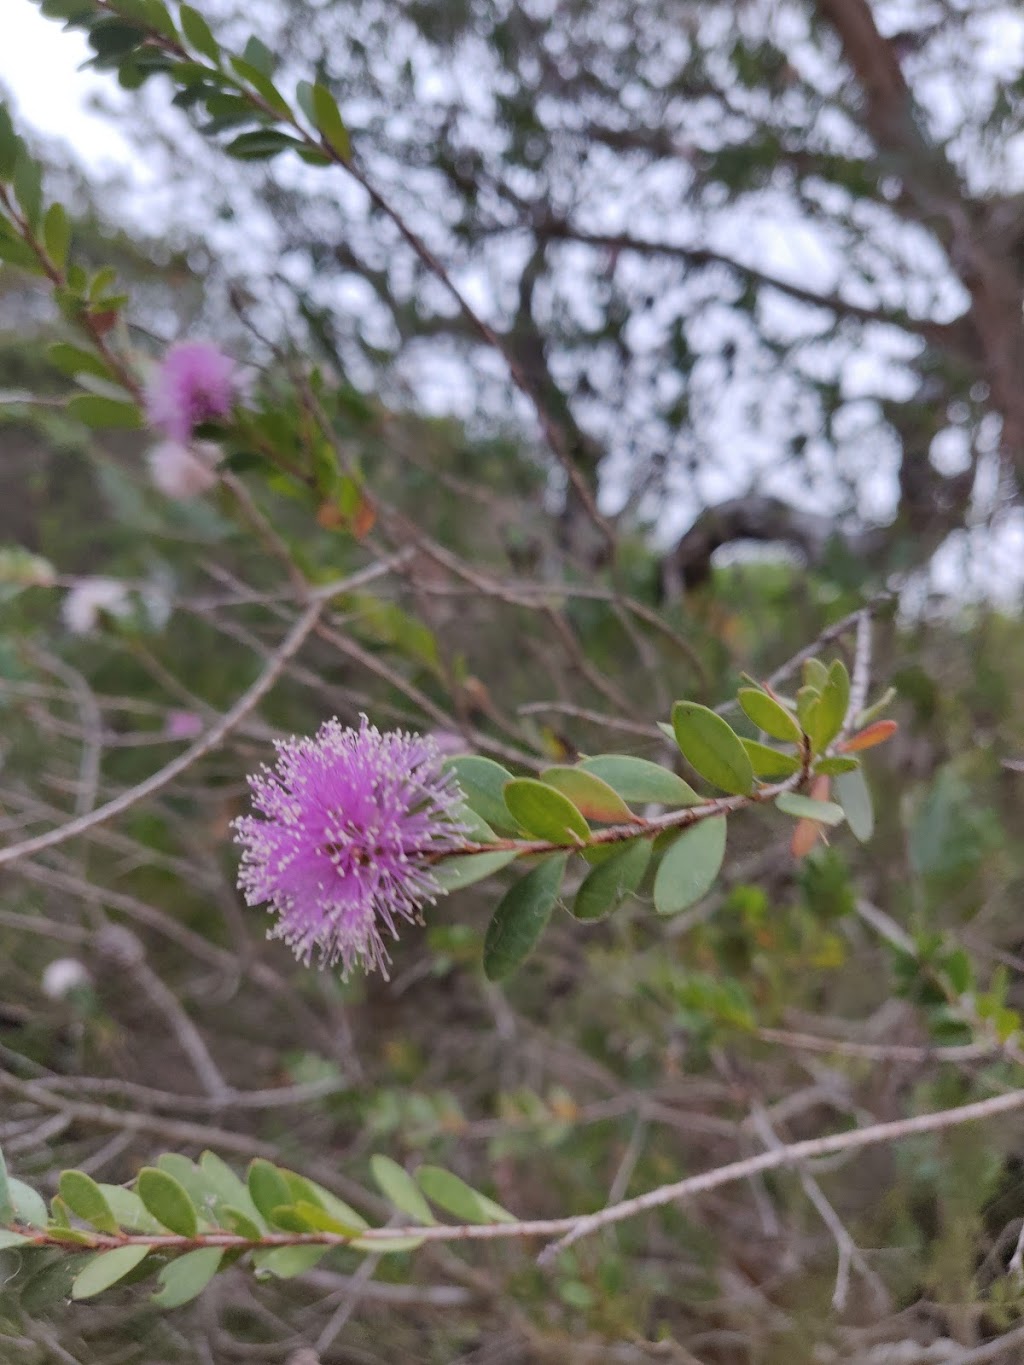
353,821
193,383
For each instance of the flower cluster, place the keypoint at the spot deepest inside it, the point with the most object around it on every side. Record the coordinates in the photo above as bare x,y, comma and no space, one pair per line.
353,821
194,383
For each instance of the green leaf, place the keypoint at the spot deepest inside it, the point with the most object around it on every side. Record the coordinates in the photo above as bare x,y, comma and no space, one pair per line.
876,708
590,794
637,779
806,808
15,252
243,1224
74,360
483,783
610,882
815,674
453,1195
11,1239
957,967
832,706
198,33
807,701
129,1210
260,145
85,1198
399,1188
836,764
303,1189
544,812
853,795
328,121
263,86
257,54
287,1262
769,715
106,1269
57,235
712,748
268,1188
227,1187
689,868
454,873
167,1200
95,411
521,918
29,1205
28,188
6,1199
306,1217
769,762
187,1276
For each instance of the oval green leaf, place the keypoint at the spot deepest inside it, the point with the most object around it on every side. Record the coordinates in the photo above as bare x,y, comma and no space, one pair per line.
399,1188
454,873
712,748
106,1269
29,1205
638,779
832,706
768,714
483,782
854,796
689,868
85,1198
187,1276
167,1201
769,762
268,1188
605,887
453,1195
592,796
544,812
521,918
806,808
96,411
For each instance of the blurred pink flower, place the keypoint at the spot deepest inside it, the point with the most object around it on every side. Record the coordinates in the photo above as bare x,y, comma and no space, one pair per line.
182,471
90,596
448,743
193,383
183,724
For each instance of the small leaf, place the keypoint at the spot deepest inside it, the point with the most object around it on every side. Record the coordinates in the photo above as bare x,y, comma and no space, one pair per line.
227,1187
57,235
187,1276
287,1262
74,360
454,873
769,715
28,187
453,1195
398,1186
807,701
85,1198
815,674
834,765
129,1210
610,882
712,748
483,782
806,808
105,412
29,1206
590,794
637,779
832,706
11,1239
268,1188
853,795
242,1224
870,737
521,918
106,1269
876,708
689,868
260,145
198,33
769,762
544,812
306,1217
167,1200
10,145
329,122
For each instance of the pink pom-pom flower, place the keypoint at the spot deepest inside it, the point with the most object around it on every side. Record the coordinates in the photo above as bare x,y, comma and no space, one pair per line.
195,382
353,821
